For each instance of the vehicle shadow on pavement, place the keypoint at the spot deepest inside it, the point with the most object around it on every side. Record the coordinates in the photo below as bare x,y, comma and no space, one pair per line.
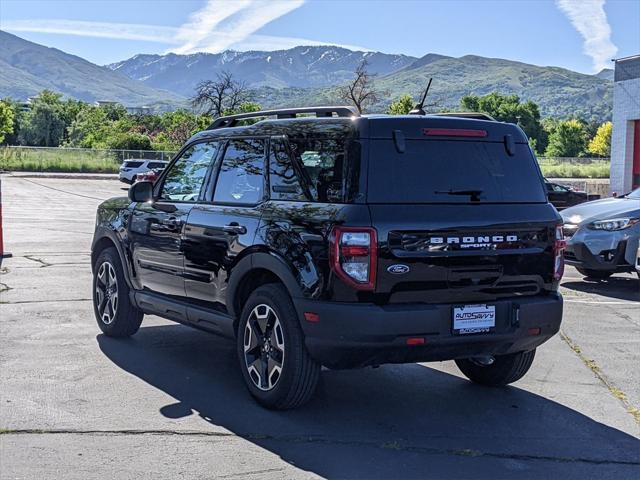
398,421
621,288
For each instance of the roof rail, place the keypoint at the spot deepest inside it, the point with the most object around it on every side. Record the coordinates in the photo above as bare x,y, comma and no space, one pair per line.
232,120
472,115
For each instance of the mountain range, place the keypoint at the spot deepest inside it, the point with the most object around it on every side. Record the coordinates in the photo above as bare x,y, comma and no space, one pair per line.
302,67
27,68
301,76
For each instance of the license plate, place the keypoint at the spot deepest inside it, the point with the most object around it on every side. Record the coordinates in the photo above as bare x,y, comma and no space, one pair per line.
474,319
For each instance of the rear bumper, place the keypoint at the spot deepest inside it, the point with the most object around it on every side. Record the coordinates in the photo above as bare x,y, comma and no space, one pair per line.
353,335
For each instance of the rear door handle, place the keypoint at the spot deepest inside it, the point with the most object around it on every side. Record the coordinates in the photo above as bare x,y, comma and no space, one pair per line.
235,228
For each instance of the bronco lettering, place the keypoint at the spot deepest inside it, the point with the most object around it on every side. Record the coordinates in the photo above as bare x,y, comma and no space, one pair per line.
474,240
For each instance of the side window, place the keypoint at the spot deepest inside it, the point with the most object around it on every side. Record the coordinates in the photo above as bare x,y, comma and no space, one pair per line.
324,163
184,179
285,184
241,176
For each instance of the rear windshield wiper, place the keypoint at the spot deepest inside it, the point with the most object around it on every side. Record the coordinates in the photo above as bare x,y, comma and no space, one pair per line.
474,194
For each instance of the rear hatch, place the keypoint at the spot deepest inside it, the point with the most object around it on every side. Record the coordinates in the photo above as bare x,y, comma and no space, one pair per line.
461,215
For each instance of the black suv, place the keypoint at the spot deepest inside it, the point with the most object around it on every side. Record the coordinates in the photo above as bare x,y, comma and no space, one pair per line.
320,237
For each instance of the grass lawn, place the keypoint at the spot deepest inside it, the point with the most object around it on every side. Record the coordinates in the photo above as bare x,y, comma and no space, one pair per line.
596,169
58,160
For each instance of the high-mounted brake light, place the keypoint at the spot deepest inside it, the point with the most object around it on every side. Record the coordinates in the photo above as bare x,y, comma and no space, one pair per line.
558,250
454,132
354,256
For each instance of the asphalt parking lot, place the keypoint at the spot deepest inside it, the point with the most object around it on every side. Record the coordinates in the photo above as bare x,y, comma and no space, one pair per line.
170,403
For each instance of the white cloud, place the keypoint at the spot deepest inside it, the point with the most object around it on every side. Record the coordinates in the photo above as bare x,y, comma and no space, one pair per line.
207,32
218,26
202,22
125,31
590,20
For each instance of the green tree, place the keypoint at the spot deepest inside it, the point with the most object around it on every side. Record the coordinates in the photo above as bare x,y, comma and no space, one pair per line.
114,111
44,124
509,108
244,107
128,141
402,106
600,144
568,139
6,119
98,126
70,110
18,121
89,128
173,129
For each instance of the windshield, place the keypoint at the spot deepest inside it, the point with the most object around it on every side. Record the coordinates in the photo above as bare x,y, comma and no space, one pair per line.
453,171
635,194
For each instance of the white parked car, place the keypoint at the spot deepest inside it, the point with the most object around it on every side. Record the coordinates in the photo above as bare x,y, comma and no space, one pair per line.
130,169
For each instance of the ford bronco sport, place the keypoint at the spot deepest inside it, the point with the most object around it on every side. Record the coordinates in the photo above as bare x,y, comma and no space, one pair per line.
317,236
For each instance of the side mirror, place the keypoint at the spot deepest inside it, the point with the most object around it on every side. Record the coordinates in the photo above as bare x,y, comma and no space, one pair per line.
141,192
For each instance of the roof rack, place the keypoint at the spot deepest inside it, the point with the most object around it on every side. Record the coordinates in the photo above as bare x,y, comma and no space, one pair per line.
232,120
472,115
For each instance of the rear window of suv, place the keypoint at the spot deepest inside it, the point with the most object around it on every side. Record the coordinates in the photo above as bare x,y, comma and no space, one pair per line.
453,171
132,164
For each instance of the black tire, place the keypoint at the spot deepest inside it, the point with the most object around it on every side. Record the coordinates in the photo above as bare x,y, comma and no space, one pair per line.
504,370
595,274
124,320
270,311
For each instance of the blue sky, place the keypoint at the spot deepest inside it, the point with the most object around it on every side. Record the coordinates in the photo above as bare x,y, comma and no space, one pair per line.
578,34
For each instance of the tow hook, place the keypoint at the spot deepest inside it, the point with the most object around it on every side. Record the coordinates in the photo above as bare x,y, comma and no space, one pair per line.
483,361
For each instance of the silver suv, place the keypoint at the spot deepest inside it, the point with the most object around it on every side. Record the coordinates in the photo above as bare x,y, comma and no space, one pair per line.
130,169
602,236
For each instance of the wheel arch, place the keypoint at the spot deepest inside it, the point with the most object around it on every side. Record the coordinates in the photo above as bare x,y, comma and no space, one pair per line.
254,270
106,239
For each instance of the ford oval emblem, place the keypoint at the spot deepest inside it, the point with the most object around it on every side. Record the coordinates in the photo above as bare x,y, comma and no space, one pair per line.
398,269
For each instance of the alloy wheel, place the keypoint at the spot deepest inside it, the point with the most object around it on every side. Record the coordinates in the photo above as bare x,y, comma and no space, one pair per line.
264,347
107,293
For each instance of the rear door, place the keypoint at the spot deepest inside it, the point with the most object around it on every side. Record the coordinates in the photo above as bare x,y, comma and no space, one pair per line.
156,228
220,229
459,220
